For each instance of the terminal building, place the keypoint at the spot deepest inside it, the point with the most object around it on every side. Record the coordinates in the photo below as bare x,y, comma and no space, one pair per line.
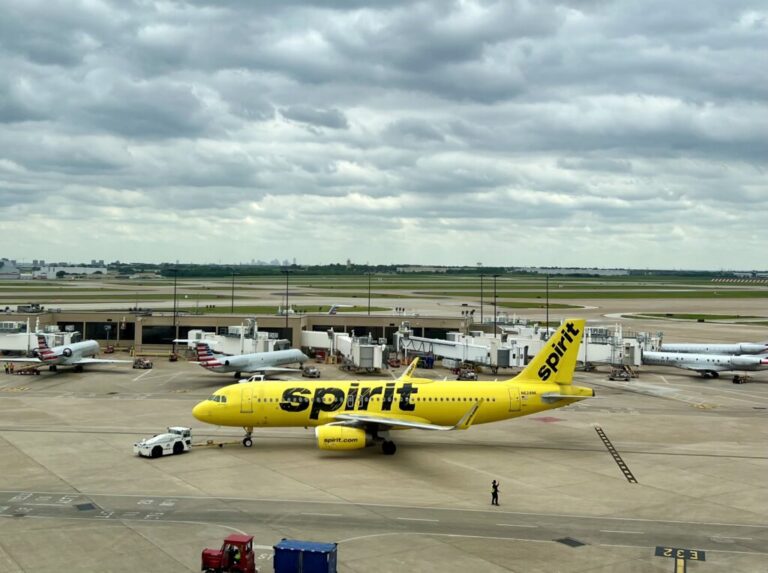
150,330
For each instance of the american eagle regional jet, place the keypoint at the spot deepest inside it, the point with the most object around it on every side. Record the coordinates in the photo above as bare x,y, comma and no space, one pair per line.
265,362
77,354
350,415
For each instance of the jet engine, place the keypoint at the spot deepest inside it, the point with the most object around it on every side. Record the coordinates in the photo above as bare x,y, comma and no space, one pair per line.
67,352
742,361
331,437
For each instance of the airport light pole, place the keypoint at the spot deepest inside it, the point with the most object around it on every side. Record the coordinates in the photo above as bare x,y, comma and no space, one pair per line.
175,328
546,303
369,292
286,272
232,305
481,299
495,314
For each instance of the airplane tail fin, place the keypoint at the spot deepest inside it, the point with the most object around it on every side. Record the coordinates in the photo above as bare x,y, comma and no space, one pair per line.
43,351
206,356
556,362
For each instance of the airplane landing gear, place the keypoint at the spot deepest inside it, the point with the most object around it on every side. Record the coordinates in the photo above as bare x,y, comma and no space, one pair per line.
52,368
247,441
715,374
237,376
79,368
388,448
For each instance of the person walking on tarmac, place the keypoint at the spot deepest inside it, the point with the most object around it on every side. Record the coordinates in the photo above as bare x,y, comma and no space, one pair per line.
494,493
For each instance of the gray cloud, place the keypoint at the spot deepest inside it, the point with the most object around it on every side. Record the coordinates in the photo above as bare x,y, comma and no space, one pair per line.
446,131
331,118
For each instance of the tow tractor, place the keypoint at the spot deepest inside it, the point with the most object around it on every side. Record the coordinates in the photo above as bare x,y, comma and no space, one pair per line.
142,364
236,554
177,440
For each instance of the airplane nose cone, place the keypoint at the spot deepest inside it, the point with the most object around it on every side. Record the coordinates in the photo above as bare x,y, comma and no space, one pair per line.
201,411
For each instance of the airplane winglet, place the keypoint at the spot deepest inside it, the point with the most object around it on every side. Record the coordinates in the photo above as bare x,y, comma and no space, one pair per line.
408,372
469,417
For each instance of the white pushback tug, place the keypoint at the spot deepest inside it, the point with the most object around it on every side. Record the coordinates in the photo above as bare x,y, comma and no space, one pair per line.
177,440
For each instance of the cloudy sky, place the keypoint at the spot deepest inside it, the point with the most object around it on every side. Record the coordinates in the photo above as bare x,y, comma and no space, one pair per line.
584,133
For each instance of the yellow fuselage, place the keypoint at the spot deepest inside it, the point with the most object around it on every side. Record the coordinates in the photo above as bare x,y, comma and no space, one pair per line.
300,403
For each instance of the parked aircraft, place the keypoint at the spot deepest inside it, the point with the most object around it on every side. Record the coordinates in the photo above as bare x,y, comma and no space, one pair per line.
736,348
264,362
349,414
708,365
77,354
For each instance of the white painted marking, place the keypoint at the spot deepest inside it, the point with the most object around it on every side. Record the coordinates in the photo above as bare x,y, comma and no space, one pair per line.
46,504
621,531
738,538
323,514
416,519
516,525
431,508
142,375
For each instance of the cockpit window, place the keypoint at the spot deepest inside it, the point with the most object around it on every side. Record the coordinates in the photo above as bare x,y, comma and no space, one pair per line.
218,398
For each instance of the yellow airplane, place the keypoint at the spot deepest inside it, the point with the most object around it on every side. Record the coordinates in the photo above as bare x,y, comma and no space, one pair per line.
354,414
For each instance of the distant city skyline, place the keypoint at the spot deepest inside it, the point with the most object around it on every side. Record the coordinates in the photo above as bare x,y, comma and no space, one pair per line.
585,134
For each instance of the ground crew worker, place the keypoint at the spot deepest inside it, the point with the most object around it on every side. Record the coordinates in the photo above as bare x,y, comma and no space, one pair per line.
12,367
494,493
7,368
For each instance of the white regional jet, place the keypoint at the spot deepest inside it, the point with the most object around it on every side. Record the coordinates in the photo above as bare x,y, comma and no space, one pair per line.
264,362
734,348
77,354
708,365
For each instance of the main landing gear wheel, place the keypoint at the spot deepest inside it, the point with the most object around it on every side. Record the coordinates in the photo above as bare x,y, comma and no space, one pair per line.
237,376
715,375
388,448
247,441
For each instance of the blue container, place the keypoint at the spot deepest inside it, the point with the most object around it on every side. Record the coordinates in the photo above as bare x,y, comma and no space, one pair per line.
294,556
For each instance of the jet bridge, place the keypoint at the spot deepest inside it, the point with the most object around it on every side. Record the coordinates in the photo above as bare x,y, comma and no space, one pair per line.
518,343
357,353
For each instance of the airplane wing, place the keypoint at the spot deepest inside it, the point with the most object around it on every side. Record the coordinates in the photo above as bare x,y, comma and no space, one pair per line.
271,369
708,368
99,361
386,421
30,360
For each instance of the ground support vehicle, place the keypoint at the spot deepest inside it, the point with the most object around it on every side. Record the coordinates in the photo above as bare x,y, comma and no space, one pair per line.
619,374
142,364
310,372
294,556
176,440
466,374
236,554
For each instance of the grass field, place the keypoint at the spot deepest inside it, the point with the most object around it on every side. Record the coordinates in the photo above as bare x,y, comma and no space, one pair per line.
513,291
684,316
300,309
